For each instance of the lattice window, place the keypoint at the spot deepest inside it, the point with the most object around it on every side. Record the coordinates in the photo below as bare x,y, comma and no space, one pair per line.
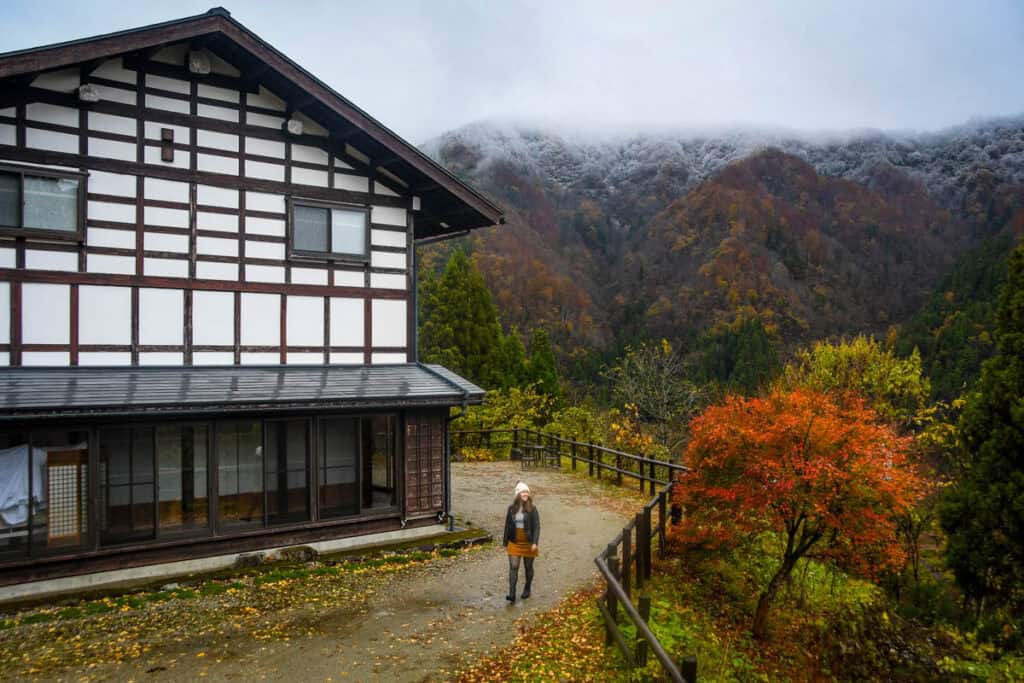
67,478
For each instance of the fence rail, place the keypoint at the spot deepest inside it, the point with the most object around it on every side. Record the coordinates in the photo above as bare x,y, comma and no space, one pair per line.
625,563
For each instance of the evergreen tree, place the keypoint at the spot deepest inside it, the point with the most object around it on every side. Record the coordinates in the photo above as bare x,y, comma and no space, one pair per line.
740,356
983,514
459,325
543,371
512,361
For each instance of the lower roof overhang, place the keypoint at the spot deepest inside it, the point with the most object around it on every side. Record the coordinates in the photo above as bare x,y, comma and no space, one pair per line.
37,394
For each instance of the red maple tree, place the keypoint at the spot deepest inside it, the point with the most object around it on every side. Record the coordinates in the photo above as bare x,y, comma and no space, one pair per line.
830,479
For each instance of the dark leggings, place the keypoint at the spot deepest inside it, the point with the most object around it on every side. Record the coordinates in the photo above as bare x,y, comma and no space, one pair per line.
513,564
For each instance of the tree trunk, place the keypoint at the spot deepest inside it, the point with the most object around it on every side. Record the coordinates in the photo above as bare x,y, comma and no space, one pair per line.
760,629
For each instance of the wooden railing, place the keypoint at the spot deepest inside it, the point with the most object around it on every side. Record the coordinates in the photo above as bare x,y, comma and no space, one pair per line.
625,564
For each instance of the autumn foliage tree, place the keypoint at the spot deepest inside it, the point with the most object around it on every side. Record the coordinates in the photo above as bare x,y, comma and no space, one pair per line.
829,479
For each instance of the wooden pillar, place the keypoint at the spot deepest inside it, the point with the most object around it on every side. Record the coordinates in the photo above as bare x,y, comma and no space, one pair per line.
638,526
611,601
662,510
641,643
574,455
647,542
627,557
688,668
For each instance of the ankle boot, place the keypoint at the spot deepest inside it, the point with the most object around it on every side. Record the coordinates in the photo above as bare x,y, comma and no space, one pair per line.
513,579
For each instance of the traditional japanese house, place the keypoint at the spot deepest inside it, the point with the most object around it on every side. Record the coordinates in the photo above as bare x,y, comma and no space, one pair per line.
208,339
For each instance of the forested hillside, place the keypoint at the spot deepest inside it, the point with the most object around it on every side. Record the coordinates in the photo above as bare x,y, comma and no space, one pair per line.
615,240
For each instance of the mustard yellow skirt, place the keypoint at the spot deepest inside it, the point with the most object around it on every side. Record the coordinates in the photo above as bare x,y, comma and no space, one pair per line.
521,546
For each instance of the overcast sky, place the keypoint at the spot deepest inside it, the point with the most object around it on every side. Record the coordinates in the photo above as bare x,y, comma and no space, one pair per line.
422,68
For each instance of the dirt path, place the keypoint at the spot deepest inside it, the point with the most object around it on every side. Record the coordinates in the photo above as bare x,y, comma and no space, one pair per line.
428,623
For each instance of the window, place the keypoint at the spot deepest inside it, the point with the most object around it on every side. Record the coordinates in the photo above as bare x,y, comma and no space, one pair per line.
181,457
287,471
330,230
339,455
379,490
240,473
36,200
127,484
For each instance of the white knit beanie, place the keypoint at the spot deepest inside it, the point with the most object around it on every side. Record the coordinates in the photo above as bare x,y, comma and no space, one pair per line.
521,486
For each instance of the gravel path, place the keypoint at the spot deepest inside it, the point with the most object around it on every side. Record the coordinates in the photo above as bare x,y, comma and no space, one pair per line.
426,624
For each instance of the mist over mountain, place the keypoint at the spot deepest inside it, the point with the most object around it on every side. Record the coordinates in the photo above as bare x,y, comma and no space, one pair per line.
614,237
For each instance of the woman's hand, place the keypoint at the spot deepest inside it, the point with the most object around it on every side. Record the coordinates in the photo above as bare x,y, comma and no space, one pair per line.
533,548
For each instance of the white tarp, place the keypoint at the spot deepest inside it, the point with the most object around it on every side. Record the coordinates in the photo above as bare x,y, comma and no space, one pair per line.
14,483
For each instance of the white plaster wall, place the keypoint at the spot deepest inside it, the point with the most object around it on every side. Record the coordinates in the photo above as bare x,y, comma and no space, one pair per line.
113,69
387,259
208,270
264,226
7,258
213,358
104,358
161,358
213,112
387,281
48,139
51,260
346,322
261,319
165,83
171,218
151,155
109,123
108,211
166,190
206,220
212,163
268,250
51,113
387,215
213,319
273,274
45,358
104,315
161,316
264,148
215,93
160,241
115,265
349,278
389,318
343,181
347,358
387,238
112,149
305,359
182,134
118,184
260,359
217,196
116,239
310,155
110,94
45,313
262,201
305,176
209,138
167,104
263,120
260,169
216,247
165,267
64,80
305,321
309,276
266,99
387,358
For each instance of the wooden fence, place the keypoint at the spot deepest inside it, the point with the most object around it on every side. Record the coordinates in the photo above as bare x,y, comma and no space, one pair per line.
625,564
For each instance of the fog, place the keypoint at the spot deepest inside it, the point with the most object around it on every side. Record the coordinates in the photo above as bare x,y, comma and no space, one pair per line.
422,68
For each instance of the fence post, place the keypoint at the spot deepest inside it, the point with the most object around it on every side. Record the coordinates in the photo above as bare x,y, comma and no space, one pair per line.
641,643
638,556
640,471
651,472
662,509
647,542
515,440
618,466
612,604
627,558
574,455
688,668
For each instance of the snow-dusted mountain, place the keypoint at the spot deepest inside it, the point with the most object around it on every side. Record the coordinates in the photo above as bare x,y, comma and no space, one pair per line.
612,236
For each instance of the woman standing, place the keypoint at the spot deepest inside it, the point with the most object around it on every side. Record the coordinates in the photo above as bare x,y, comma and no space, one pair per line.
522,532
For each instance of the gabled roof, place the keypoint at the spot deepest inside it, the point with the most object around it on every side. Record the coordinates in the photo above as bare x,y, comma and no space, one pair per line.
34,393
447,204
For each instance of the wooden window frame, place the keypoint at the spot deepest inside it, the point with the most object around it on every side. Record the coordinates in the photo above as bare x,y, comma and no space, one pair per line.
78,235
335,256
